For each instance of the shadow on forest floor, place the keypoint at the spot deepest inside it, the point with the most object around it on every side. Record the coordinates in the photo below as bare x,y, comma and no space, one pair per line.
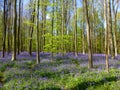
87,84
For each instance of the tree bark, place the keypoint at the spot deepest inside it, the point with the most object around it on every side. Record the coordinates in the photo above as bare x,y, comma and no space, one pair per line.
4,31
52,28
106,35
83,29
90,62
31,31
62,32
14,32
75,28
37,36
115,24
19,28
110,30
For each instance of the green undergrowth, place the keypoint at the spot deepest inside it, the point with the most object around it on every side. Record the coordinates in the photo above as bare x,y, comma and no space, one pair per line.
56,76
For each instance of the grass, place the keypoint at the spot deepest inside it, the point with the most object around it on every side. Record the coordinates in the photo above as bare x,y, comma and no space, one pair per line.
57,75
44,80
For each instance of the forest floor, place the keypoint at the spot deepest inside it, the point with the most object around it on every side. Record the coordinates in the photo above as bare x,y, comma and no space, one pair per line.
62,73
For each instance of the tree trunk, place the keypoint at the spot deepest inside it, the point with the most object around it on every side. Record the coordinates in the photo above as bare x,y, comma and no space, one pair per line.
83,28
90,62
52,28
110,30
31,31
44,7
37,36
115,10
14,32
62,32
75,28
9,28
21,34
4,31
19,28
106,36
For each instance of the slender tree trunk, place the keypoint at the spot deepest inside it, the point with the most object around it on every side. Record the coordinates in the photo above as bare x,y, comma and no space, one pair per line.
52,28
12,24
21,33
42,26
93,27
115,40
4,31
9,28
110,29
31,32
90,63
62,32
106,35
30,42
115,10
8,39
14,32
37,36
19,27
43,21
83,28
57,17
75,27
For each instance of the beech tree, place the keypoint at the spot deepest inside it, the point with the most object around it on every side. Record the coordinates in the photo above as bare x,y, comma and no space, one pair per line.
62,30
110,29
19,28
90,63
75,28
44,10
32,17
106,35
14,31
83,29
53,2
115,11
4,31
37,36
